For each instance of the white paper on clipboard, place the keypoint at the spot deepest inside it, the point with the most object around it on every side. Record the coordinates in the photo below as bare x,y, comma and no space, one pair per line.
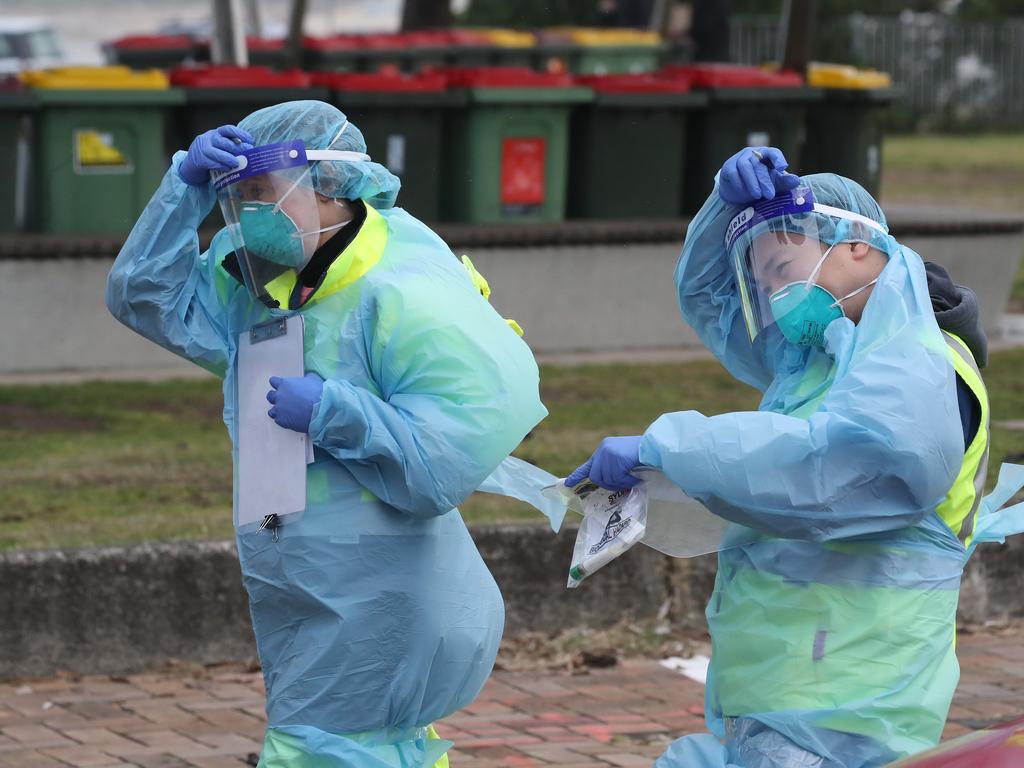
271,459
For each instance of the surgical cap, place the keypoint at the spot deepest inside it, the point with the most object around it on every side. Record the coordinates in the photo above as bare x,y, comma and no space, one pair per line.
840,192
317,125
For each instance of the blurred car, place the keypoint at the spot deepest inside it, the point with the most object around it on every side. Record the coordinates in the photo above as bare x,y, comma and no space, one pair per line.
1000,746
28,43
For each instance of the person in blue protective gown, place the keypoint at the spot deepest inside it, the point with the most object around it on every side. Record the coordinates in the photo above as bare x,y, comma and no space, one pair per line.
373,612
853,493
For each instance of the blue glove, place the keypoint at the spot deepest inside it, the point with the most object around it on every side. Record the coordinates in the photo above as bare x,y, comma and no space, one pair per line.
214,150
754,173
611,463
294,398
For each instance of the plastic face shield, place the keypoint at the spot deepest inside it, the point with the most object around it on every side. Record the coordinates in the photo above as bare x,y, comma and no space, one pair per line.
272,214
779,243
771,245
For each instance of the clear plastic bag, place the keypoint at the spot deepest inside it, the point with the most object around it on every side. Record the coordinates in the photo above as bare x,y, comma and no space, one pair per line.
673,523
613,521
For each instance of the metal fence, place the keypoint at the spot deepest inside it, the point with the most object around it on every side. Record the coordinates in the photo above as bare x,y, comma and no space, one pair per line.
953,73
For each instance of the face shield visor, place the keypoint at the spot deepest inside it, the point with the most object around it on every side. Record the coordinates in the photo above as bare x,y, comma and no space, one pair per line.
777,248
272,213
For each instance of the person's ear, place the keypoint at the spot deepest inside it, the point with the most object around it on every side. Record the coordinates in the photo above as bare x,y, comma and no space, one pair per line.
859,250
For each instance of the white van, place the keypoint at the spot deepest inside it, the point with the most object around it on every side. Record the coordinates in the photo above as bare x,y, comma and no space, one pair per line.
28,43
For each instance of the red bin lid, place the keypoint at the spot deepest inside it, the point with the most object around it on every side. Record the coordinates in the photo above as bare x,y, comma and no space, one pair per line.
504,77
264,44
334,43
468,37
383,41
732,76
431,82
639,83
152,42
427,38
227,76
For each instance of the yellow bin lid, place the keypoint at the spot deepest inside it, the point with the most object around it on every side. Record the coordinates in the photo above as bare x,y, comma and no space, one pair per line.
510,38
597,37
97,78
821,75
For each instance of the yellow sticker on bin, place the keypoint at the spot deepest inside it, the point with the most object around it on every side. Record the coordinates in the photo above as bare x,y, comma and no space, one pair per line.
95,152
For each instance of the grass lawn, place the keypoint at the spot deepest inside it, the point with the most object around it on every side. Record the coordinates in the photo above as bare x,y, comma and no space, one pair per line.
125,462
969,171
964,171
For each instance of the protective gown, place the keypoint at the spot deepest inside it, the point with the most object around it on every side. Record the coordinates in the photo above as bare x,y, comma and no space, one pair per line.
374,614
833,617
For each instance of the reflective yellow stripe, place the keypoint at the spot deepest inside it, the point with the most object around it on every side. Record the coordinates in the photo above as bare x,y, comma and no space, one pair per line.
478,280
960,506
443,760
361,255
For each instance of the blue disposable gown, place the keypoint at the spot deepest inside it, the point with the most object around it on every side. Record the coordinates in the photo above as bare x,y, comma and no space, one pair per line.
374,614
833,615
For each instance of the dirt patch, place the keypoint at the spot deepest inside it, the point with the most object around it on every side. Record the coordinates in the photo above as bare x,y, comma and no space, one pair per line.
25,418
578,650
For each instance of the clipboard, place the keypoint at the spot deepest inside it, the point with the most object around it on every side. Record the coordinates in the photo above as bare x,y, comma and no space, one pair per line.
271,459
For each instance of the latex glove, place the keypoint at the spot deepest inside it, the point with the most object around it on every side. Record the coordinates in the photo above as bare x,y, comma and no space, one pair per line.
611,464
294,398
214,150
755,173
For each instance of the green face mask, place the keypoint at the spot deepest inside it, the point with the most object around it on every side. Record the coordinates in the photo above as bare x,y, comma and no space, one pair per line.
803,310
271,234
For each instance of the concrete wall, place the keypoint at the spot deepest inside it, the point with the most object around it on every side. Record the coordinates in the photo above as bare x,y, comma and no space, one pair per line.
606,299
55,319
988,264
120,610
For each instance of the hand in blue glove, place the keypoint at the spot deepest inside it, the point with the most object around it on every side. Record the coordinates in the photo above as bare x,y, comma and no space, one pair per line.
294,398
755,173
214,150
611,464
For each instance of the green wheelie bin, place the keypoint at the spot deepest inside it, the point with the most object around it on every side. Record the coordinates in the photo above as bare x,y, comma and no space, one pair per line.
154,51
511,47
600,51
221,94
338,53
746,107
627,158
844,129
99,146
402,119
17,108
508,150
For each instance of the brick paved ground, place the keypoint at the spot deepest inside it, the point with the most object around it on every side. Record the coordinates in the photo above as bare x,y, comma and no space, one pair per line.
623,716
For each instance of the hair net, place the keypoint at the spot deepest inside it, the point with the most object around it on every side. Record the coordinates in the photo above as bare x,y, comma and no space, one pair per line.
840,192
317,124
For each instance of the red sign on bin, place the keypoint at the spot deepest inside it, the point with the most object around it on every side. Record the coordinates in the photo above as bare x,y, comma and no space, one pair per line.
522,171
